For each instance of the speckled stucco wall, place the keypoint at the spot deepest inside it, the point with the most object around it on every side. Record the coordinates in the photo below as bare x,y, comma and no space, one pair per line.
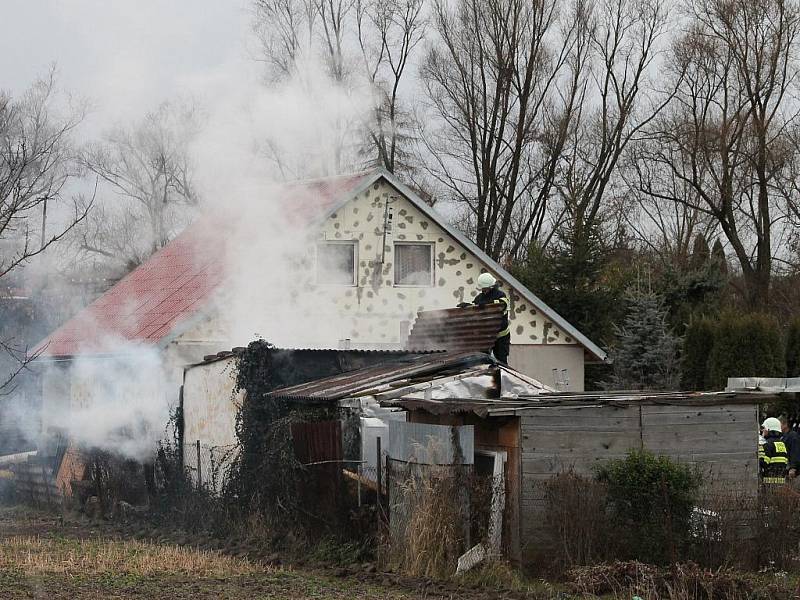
372,309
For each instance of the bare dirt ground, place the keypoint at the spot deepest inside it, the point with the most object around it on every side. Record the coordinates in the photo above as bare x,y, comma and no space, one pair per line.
50,557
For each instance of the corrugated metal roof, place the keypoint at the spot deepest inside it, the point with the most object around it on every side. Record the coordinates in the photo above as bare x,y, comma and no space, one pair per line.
375,378
176,284
572,401
764,384
209,358
470,329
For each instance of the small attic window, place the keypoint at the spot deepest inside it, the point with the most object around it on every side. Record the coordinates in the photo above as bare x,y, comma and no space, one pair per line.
336,263
413,264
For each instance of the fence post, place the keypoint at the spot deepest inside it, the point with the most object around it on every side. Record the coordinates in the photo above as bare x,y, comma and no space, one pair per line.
359,472
199,468
388,485
379,476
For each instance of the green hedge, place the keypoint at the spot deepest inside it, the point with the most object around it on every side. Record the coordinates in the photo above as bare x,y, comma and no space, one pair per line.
793,349
749,345
697,345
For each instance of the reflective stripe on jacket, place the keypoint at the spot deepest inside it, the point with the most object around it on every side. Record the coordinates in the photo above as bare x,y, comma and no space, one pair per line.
496,296
773,458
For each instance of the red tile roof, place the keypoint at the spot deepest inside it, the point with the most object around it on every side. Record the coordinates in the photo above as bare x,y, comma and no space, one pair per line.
177,283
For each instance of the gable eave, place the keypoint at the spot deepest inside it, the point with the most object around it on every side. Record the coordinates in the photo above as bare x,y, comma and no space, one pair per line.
380,173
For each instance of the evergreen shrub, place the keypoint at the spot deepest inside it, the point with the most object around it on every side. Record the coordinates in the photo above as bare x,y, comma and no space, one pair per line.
749,345
649,503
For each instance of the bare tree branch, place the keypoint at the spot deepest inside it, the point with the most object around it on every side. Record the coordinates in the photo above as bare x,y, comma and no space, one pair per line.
148,170
493,80
724,147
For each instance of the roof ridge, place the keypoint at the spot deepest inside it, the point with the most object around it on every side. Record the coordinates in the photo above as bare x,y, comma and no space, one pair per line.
362,173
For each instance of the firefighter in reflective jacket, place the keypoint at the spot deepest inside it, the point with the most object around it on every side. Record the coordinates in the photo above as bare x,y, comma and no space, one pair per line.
490,293
773,457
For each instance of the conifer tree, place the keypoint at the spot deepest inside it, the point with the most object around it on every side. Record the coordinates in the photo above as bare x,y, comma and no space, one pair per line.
646,353
718,258
700,252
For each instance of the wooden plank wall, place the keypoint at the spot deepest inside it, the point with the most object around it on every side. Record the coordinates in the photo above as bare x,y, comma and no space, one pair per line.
555,440
720,440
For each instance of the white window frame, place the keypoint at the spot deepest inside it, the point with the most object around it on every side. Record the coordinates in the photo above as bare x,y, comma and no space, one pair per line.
432,283
321,243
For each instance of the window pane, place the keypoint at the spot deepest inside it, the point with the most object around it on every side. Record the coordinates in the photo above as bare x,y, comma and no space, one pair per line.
412,264
336,263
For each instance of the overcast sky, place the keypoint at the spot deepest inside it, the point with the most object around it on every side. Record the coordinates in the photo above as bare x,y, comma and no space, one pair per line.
124,56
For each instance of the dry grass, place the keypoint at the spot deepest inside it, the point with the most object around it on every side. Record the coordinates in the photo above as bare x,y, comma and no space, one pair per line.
97,557
686,581
429,541
577,530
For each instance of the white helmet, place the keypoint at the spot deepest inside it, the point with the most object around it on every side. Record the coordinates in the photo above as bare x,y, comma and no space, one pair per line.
771,424
486,280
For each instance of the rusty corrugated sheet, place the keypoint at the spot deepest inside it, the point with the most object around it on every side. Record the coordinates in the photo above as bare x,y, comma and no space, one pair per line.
363,380
318,441
209,358
318,446
473,328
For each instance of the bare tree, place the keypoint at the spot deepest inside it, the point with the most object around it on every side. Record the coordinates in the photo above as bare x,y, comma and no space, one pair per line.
290,30
36,164
618,42
284,29
726,135
388,33
667,229
493,81
145,174
366,47
333,19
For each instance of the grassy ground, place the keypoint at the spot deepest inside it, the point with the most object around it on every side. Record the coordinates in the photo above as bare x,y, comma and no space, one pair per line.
57,567
45,556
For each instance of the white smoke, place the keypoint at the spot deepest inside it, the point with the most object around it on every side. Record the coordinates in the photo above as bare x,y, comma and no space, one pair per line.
255,138
121,403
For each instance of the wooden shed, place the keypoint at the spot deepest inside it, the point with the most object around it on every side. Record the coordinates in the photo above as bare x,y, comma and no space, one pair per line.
557,433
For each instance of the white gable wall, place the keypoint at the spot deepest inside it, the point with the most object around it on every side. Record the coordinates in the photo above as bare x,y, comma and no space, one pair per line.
370,313
375,313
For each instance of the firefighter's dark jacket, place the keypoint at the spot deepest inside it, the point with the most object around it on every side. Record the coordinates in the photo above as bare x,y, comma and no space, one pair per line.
773,458
496,296
792,440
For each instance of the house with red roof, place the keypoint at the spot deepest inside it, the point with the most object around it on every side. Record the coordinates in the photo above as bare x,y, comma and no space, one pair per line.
375,255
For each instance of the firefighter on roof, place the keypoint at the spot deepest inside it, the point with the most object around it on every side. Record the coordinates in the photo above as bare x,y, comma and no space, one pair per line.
490,293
